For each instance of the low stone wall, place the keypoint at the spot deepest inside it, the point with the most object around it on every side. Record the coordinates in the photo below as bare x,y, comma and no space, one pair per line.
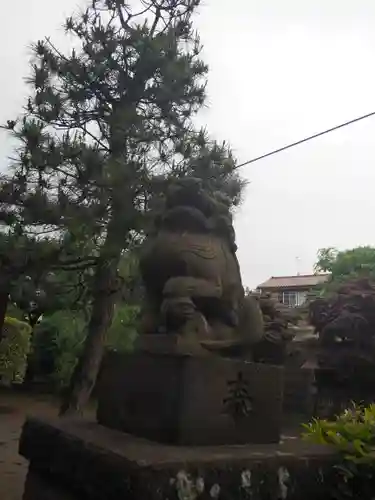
71,460
42,487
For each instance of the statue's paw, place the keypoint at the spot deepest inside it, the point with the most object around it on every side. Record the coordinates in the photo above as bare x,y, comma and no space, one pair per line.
197,326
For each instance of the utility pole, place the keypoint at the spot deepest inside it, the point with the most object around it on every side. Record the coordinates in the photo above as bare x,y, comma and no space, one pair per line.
297,265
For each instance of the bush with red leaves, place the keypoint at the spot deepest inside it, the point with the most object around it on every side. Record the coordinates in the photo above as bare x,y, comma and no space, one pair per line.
345,319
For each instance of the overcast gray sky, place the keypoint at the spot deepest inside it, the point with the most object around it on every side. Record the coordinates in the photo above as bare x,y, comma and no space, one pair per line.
279,71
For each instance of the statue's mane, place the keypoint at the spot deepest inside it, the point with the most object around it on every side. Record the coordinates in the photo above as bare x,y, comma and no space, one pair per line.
189,208
184,218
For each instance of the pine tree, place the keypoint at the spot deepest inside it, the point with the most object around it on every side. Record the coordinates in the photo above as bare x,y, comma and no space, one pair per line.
28,253
104,125
21,254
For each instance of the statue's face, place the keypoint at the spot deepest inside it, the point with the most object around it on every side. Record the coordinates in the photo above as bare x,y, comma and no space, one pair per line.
180,308
184,309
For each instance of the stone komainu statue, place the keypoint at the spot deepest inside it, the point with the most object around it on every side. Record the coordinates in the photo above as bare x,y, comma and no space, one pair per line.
191,273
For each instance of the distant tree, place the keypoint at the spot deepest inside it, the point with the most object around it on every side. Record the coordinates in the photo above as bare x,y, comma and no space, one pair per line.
325,259
350,264
106,127
352,273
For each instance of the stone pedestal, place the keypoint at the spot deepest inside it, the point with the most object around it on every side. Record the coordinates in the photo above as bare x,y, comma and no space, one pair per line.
81,460
191,400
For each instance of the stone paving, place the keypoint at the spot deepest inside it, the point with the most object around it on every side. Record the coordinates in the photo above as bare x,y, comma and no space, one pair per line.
14,407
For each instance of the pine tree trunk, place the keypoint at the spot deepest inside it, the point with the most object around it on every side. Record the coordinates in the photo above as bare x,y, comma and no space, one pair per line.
87,368
4,297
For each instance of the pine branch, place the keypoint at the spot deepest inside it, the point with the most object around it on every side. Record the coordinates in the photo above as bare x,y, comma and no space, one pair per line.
155,22
75,267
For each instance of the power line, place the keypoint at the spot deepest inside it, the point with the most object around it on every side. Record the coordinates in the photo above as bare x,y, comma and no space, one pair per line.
305,140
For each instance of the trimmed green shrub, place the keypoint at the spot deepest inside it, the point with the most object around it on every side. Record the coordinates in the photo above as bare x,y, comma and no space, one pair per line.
58,340
56,346
14,349
352,434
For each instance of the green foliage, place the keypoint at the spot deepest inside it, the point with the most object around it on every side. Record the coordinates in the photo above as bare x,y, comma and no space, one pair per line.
123,331
106,125
352,435
14,349
345,267
325,260
20,252
125,95
51,291
347,264
15,312
58,341
32,266
132,286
